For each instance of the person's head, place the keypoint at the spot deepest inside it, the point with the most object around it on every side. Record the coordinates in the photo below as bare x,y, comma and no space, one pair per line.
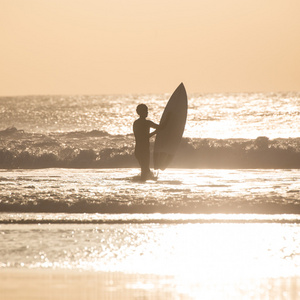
142,110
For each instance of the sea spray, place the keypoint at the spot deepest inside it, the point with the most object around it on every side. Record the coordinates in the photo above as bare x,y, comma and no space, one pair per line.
99,149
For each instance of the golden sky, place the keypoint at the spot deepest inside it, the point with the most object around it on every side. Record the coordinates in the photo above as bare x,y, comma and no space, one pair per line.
141,46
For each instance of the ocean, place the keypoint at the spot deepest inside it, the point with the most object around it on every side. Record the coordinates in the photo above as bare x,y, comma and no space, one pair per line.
223,222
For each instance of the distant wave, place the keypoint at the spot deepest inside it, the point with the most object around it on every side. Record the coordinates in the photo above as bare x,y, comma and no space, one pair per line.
93,133
99,149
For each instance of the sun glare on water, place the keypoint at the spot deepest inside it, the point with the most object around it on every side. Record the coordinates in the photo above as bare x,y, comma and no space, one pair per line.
201,258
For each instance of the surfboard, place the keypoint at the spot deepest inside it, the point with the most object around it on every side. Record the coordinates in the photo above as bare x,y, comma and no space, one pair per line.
168,138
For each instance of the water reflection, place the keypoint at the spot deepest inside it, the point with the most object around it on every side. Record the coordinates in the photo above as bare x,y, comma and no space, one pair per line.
192,251
190,259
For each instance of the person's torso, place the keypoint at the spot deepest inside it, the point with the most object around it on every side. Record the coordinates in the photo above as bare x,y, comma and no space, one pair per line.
141,130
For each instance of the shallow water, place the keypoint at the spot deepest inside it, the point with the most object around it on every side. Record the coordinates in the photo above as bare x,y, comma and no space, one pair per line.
149,232
195,260
200,251
175,191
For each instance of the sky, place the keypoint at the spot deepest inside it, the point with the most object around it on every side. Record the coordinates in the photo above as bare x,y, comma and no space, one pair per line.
148,46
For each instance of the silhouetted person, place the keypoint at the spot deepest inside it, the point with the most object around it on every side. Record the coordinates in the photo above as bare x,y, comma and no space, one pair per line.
141,129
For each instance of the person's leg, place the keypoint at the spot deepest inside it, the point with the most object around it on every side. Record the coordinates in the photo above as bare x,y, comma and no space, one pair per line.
143,157
145,166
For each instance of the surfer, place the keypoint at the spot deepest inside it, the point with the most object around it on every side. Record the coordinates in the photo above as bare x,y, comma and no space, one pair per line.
141,129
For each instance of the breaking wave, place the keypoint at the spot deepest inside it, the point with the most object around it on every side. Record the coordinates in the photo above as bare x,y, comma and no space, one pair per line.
55,203
99,149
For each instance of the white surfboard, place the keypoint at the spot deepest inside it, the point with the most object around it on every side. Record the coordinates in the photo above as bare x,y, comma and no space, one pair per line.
168,139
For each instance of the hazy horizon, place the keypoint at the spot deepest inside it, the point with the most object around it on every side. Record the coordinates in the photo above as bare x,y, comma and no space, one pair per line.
94,47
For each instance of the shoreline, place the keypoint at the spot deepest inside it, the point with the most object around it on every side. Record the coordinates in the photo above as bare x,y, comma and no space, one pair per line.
44,284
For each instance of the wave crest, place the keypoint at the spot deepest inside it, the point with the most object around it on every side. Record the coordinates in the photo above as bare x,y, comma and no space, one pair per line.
99,149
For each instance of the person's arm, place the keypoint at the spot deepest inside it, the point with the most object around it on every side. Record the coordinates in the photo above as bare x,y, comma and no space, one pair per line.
153,125
134,128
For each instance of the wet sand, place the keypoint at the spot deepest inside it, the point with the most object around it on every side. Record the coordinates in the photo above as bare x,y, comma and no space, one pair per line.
66,284
61,285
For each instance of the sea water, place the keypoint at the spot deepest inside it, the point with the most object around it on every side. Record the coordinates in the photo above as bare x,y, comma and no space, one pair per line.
222,131
222,222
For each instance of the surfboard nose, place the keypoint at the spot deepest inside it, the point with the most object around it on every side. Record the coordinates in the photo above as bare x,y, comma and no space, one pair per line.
181,87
